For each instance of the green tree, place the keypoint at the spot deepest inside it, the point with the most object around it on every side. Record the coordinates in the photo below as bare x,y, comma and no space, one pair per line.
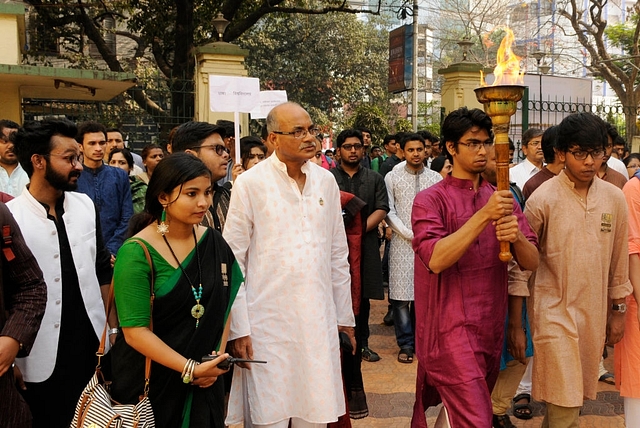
165,32
621,72
373,118
324,61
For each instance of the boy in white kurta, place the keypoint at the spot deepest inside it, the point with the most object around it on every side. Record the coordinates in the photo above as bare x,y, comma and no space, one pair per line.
403,183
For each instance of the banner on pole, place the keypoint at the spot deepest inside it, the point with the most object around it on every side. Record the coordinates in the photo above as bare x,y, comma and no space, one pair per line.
233,93
268,100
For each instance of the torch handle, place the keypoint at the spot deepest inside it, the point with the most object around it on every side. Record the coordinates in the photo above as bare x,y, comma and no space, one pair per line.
502,175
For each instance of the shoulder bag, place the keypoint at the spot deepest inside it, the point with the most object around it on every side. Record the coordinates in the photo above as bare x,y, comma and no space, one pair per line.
95,408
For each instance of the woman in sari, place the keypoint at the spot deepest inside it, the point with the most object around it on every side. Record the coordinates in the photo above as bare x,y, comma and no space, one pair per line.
122,158
196,279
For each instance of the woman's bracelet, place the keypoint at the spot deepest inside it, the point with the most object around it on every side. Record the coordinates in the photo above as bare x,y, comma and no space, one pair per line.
187,371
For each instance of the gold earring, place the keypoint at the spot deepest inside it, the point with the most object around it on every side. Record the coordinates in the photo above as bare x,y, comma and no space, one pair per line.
162,226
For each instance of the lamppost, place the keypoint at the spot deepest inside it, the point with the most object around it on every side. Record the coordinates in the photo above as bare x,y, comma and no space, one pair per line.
542,69
220,24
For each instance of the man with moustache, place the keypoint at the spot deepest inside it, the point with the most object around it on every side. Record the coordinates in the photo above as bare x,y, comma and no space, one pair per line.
62,229
107,186
369,186
553,163
532,164
460,283
286,230
583,278
116,141
12,176
206,141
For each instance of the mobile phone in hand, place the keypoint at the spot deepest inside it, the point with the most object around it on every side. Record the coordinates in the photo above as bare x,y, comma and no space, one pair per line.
226,364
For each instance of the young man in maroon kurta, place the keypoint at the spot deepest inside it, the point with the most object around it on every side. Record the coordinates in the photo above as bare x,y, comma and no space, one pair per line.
460,284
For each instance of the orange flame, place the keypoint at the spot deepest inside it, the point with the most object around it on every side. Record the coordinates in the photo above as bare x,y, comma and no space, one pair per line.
507,71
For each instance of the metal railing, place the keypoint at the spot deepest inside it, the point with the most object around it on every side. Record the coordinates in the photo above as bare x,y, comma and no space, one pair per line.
174,97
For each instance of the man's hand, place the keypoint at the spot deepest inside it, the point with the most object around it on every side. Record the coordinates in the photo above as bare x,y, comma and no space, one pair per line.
500,204
351,332
517,343
507,229
236,170
17,374
615,328
9,348
242,348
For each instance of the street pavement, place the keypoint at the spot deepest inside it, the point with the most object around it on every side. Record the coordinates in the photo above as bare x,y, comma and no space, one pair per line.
390,388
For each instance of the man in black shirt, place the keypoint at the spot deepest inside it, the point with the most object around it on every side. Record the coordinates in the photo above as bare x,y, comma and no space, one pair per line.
369,186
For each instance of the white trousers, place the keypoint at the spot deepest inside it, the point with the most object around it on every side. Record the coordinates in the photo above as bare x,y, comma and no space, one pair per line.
631,412
525,383
295,423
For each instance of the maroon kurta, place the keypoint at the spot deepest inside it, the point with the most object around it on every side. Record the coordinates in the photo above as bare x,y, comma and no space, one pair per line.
460,313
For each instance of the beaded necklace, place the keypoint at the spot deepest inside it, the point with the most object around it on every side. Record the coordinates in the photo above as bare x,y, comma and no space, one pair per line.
197,310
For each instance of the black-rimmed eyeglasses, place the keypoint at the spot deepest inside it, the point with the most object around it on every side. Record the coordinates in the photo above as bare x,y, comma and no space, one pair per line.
219,148
582,154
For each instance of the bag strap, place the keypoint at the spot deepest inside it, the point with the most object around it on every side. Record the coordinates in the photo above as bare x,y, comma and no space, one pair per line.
110,304
7,242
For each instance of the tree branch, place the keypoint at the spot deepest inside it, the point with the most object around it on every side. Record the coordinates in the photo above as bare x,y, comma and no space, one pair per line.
237,28
142,45
158,55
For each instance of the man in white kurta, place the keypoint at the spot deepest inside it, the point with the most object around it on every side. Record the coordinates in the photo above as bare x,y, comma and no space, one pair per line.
403,183
285,228
533,162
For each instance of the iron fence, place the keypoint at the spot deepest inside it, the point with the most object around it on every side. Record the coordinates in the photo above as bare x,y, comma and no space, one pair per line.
550,112
174,99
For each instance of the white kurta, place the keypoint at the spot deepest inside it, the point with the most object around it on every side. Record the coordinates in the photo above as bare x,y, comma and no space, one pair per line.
402,186
292,249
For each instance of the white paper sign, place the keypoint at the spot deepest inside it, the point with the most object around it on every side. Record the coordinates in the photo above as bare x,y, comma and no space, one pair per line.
268,100
233,93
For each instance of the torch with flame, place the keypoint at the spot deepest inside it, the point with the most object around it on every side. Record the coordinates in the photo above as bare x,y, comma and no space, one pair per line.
500,102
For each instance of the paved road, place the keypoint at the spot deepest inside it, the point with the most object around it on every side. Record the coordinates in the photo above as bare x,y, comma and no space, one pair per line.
390,388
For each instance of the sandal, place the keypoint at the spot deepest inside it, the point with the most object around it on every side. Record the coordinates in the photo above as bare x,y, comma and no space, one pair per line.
607,378
522,411
502,421
405,356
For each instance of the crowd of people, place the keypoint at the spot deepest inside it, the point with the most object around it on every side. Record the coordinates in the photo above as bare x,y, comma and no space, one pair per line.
277,256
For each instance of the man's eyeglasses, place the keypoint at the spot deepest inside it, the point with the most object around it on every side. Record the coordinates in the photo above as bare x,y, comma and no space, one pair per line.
582,154
474,146
349,147
534,144
219,148
72,159
300,133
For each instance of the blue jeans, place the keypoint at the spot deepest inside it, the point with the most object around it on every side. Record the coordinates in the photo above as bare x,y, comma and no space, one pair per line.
404,321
